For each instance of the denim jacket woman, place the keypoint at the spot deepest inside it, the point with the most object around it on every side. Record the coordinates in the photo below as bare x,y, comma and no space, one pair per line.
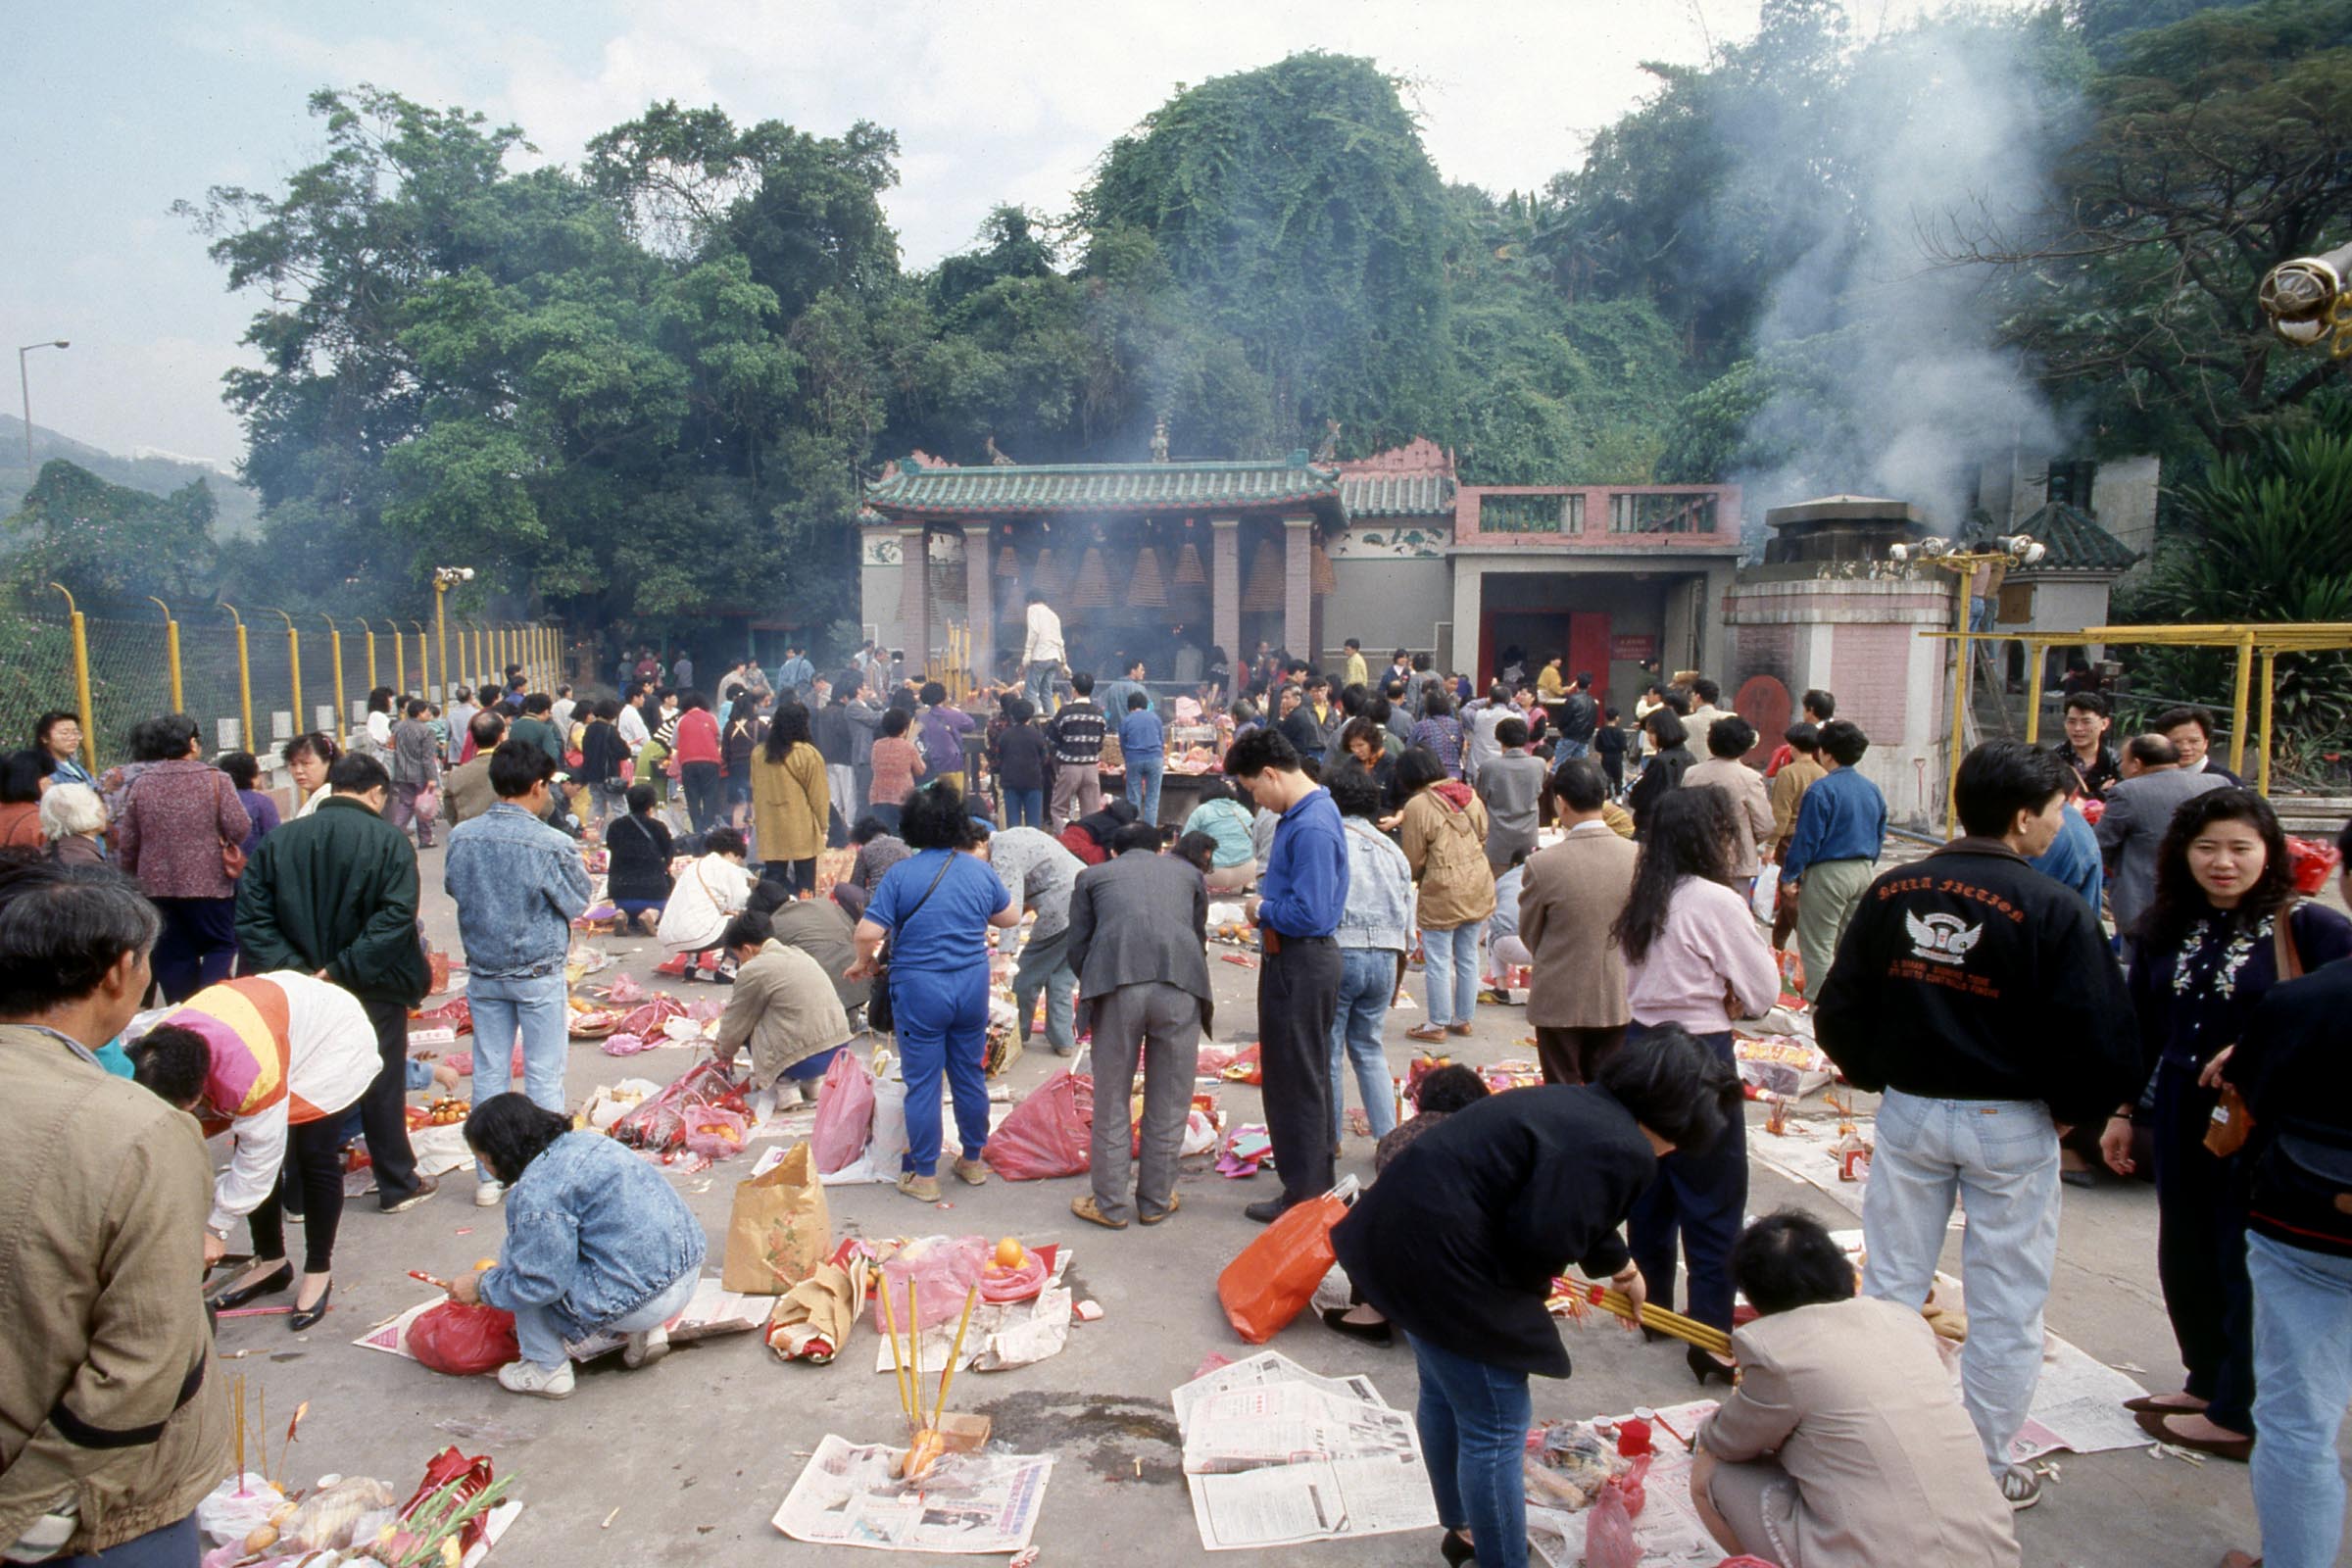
593,1234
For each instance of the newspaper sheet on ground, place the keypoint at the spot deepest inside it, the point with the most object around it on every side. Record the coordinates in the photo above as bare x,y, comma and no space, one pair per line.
1276,1454
2078,1404
850,1495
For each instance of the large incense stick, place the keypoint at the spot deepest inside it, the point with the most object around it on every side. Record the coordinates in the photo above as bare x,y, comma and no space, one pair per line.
954,1357
1672,1324
897,1363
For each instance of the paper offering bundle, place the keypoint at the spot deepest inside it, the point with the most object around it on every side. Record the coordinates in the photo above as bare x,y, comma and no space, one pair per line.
1275,1454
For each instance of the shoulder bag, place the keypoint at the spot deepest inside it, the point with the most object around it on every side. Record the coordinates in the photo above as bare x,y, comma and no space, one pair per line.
2232,1123
878,1015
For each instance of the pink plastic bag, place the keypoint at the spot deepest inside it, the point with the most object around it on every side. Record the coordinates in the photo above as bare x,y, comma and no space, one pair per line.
844,1114
1609,1532
713,1131
628,1044
649,1018
942,1270
1048,1133
1016,1283
624,991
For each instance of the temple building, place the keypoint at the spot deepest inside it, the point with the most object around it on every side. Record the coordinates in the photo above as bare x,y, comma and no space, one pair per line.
1179,561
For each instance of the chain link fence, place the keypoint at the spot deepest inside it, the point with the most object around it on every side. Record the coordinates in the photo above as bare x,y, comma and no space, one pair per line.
130,671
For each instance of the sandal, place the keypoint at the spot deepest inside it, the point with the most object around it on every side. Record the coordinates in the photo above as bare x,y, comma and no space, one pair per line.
1175,1202
1083,1205
1428,1034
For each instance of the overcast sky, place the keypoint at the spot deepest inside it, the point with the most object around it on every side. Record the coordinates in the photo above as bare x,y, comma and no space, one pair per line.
113,110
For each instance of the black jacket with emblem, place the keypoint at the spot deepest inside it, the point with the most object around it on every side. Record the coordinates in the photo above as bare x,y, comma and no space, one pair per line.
1970,975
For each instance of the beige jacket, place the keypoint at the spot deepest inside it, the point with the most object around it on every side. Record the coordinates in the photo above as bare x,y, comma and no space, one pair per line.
1569,896
784,1005
1751,806
1850,1401
790,804
102,1195
1788,788
1447,845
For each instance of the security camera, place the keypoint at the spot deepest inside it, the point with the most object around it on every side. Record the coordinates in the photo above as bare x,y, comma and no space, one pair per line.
1898,552
2302,297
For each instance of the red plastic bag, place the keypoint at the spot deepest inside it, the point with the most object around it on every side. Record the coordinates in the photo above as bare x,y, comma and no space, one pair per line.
1609,1532
463,1341
472,1477
1275,1276
2311,862
845,1113
1049,1134
660,1123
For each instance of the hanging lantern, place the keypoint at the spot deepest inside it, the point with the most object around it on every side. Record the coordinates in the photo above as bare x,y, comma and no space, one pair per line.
1009,561
1046,577
1145,590
1190,572
1092,588
1319,573
1264,590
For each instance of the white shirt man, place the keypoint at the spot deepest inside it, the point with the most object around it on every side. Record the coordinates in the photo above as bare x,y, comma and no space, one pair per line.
1042,644
632,726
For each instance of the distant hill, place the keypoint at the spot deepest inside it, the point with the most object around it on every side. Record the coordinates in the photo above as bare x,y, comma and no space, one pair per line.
239,511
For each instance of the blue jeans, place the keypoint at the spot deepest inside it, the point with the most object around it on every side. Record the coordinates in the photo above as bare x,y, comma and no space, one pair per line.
1979,612
2302,1381
942,1028
1367,981
1697,1200
808,1067
1037,684
172,1546
1563,750
1474,1419
1024,807
541,1340
1449,973
1143,775
2001,1158
534,1009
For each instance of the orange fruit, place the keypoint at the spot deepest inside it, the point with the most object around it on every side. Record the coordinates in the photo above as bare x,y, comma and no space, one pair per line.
1010,1254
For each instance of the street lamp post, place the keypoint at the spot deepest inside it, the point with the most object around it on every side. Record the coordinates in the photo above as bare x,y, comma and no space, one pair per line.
444,579
25,385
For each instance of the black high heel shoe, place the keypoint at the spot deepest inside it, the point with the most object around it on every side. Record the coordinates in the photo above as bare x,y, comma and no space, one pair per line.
1455,1549
278,1279
306,1317
1706,1368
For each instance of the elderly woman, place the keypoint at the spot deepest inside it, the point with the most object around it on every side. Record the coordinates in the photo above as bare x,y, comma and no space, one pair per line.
1844,1444
935,908
174,826
1458,1241
598,1241
709,893
73,822
783,1006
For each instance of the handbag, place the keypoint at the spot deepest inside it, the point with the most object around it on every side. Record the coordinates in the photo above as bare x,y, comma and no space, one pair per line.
2232,1123
879,1013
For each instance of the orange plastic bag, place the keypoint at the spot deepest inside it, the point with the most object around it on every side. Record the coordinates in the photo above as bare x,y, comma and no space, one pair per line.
1275,1276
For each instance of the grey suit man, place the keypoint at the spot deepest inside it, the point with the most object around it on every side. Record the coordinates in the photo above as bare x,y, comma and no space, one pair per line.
2131,830
1139,940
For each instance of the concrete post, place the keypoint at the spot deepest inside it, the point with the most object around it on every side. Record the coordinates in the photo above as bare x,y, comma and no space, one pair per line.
915,596
980,602
1298,587
1225,593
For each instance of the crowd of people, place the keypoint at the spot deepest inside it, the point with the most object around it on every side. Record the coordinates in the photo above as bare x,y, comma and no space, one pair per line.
174,944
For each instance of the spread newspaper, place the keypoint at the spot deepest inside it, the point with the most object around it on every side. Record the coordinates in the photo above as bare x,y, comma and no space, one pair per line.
850,1495
1275,1454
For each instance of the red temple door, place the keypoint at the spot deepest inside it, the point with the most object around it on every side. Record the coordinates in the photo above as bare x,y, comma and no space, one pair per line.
1588,649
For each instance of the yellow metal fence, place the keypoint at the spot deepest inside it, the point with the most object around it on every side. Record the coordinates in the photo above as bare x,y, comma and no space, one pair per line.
246,675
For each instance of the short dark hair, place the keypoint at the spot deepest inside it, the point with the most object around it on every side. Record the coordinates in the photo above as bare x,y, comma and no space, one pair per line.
2152,751
1674,1086
508,1131
2000,778
1137,702
1802,739
750,928
1258,750
1787,1260
641,797
1706,691
1417,769
488,727
2180,903
1083,682
416,708
2172,718
243,768
317,743
1731,737
356,773
1580,785
1352,642
538,702
2088,703
868,828
726,841
1843,739
895,721
1355,792
1510,732
935,817
48,722
1201,848
1442,1091
21,775
62,928
164,738
172,1061
1134,836
515,769
1822,704
1665,727
933,694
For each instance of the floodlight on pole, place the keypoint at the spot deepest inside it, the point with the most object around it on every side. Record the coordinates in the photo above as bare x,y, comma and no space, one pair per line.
25,385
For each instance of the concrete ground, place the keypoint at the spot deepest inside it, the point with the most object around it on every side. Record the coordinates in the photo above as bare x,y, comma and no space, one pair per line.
686,1463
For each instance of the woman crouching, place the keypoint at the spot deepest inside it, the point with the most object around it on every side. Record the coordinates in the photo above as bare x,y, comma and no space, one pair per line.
597,1242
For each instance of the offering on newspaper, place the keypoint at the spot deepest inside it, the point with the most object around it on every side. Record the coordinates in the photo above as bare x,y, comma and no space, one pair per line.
1275,1454
1665,1528
853,1495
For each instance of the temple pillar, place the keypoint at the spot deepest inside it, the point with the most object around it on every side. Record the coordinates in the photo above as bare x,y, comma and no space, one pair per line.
980,602
1298,587
1225,595
915,596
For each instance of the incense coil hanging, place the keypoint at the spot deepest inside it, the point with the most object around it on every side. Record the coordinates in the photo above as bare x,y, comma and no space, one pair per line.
1046,576
1091,589
1320,576
1263,590
1146,590
1191,571
1009,561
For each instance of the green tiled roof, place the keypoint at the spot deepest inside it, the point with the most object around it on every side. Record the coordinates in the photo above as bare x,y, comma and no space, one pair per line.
1024,490
2076,541
1392,495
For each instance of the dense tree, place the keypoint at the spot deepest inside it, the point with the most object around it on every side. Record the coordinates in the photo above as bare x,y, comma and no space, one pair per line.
108,545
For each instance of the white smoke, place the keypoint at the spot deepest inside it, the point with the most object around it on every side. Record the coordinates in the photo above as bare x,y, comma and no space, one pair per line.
1890,378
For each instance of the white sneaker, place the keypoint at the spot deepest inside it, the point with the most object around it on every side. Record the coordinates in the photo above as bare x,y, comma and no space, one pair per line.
643,1350
488,1195
2020,1488
528,1377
